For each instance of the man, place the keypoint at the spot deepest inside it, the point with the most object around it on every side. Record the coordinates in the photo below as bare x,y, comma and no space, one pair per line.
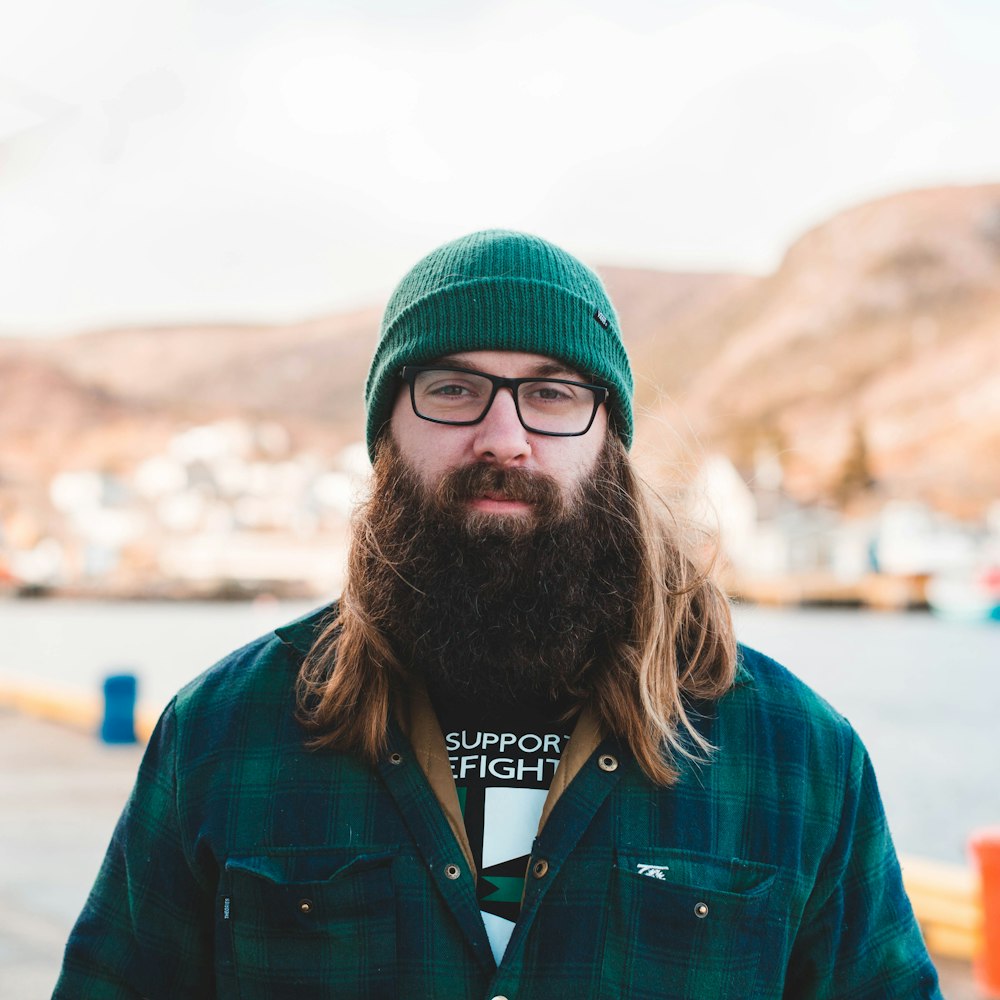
522,757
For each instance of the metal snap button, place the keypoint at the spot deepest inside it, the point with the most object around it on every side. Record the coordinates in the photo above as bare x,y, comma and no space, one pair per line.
305,905
607,763
395,758
452,871
701,909
540,868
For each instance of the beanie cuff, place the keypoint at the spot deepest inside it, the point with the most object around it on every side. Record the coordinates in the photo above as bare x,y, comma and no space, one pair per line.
500,291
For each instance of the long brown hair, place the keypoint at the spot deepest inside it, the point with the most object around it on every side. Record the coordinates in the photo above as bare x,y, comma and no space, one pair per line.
681,647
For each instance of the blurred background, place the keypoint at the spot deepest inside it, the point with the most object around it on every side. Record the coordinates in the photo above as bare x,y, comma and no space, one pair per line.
795,207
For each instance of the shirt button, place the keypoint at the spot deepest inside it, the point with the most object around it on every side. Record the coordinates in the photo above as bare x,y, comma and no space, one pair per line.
606,762
396,758
452,871
498,997
539,868
701,909
305,905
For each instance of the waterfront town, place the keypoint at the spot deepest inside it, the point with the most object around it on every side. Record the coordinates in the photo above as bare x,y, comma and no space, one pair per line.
229,509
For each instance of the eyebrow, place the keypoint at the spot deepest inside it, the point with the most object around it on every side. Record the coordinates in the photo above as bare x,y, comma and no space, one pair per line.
543,369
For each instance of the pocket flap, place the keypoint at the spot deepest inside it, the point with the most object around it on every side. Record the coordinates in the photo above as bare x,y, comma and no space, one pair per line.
310,891
698,872
301,866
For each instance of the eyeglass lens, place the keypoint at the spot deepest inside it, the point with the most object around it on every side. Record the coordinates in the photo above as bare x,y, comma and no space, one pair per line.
463,397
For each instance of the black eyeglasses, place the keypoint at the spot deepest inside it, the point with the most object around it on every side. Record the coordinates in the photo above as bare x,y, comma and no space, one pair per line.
555,406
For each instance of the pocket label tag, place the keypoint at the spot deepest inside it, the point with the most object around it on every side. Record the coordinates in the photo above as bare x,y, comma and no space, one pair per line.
653,871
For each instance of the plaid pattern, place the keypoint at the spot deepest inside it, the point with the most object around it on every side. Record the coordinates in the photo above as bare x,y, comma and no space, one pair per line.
245,866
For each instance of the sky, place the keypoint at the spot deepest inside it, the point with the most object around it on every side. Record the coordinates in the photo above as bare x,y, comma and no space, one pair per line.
167,161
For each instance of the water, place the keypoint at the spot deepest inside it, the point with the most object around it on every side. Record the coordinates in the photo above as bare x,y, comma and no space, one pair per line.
71,646
924,694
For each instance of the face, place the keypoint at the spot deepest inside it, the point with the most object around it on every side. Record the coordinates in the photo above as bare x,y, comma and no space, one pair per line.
492,609
499,440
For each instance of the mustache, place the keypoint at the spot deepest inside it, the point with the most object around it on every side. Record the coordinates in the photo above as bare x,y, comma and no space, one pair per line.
473,481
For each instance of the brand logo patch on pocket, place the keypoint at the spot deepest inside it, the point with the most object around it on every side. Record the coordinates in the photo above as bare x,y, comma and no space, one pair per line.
653,871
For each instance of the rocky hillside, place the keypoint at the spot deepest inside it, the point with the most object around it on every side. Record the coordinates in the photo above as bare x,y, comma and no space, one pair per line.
868,364
872,354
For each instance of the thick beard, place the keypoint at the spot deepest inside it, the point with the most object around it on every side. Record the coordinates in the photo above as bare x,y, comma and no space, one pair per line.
498,609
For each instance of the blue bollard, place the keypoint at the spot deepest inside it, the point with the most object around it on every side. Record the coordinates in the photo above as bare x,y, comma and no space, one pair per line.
119,709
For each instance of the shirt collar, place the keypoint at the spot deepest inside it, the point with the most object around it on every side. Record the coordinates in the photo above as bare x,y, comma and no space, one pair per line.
302,633
743,675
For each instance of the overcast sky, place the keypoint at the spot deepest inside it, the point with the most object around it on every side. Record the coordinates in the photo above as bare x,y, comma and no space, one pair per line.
175,160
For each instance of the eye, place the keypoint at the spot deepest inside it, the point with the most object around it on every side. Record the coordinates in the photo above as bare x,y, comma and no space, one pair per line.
449,385
450,389
549,392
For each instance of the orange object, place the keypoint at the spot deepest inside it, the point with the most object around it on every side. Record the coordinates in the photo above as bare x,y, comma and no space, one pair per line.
985,848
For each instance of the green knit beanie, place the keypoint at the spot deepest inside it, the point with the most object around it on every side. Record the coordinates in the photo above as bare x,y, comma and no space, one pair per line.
498,290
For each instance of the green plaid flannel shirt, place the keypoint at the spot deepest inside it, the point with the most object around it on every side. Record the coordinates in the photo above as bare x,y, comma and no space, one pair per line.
246,866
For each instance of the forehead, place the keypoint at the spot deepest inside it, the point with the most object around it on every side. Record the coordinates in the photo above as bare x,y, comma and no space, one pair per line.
511,364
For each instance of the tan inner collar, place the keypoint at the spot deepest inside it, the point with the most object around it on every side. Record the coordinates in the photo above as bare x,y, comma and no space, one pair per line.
420,723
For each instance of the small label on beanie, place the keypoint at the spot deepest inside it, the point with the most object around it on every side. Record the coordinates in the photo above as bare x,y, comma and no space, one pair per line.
602,319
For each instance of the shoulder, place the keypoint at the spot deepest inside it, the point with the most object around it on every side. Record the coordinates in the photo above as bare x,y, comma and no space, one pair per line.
768,687
772,717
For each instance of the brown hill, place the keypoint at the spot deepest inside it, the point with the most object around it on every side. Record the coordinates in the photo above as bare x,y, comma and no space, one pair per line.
51,421
872,353
308,374
311,369
668,322
877,340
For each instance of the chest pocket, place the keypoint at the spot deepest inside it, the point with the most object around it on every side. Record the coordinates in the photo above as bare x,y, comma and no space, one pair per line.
309,924
685,925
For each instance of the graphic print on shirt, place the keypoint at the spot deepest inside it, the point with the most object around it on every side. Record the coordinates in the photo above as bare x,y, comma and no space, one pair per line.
503,778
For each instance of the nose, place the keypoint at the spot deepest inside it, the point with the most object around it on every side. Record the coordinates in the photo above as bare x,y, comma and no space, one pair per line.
501,438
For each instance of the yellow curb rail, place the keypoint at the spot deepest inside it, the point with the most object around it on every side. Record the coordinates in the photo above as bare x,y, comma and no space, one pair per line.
67,707
947,902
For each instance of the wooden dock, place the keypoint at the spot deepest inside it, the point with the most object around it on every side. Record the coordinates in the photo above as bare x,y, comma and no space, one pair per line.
947,902
880,591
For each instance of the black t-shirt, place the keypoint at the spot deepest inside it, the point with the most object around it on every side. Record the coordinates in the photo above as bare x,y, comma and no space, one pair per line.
503,759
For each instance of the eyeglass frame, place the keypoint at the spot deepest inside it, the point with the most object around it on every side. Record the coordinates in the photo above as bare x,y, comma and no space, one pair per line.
409,375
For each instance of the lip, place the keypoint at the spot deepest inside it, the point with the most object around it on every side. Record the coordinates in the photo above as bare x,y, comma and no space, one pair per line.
497,505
